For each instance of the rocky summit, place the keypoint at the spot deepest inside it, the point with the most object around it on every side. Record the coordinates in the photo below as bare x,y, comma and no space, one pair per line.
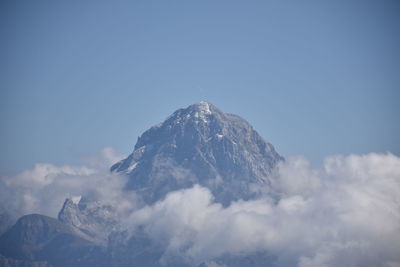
200,145
196,145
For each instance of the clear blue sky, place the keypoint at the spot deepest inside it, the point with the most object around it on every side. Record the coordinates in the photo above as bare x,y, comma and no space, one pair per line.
313,77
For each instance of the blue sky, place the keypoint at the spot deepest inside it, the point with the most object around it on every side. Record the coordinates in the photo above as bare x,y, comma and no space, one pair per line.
313,77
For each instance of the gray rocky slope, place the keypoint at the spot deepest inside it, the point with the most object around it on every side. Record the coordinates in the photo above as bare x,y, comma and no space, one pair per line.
38,240
93,219
196,145
200,145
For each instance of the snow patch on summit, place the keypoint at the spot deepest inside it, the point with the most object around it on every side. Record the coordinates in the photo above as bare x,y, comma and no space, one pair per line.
202,111
204,107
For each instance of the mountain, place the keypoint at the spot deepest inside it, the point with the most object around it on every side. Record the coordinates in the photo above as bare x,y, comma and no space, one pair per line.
44,239
199,145
196,145
94,219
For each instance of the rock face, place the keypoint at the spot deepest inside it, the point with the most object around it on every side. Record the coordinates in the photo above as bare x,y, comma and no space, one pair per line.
40,238
199,145
92,218
196,145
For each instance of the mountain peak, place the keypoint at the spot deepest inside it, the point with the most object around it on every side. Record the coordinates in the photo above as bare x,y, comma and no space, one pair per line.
198,113
203,107
202,145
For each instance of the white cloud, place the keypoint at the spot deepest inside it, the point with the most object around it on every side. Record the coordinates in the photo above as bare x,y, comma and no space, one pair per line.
344,214
103,160
44,188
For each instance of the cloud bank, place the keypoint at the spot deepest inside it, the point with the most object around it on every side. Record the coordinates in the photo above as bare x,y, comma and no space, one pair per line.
44,188
346,213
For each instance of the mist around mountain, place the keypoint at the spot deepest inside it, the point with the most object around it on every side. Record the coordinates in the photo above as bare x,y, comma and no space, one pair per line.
203,188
